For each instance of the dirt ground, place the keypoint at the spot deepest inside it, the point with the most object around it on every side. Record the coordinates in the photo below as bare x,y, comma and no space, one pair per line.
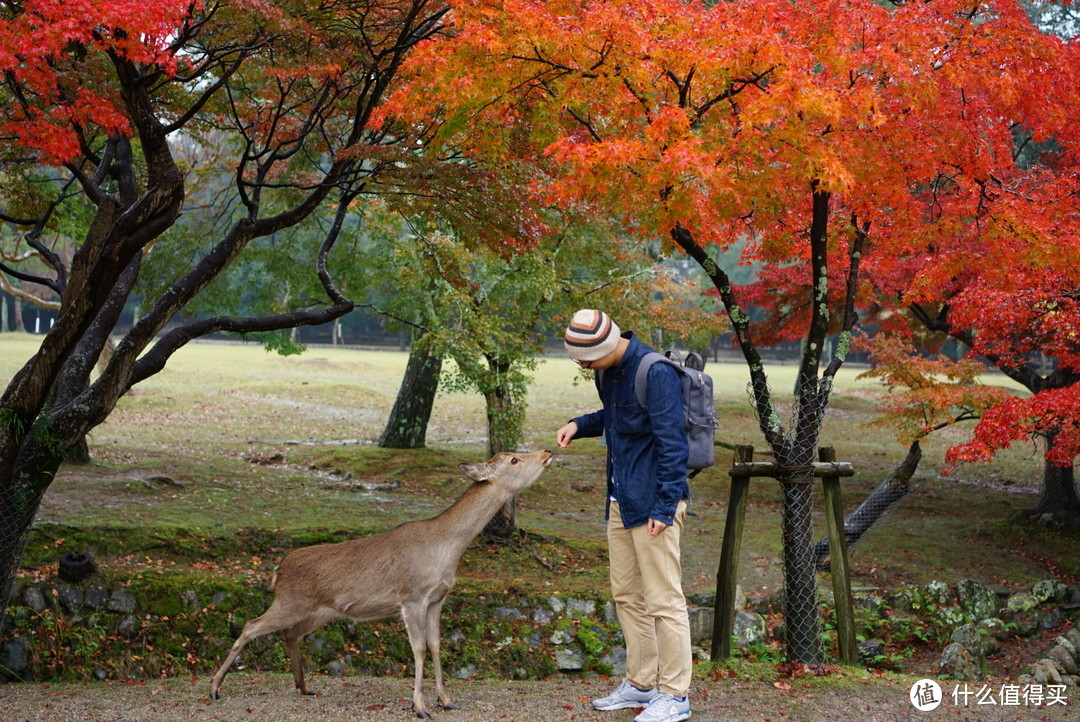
271,698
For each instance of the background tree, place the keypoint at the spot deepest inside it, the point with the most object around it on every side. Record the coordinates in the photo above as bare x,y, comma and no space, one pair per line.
92,99
809,130
1027,328
404,298
491,312
1022,318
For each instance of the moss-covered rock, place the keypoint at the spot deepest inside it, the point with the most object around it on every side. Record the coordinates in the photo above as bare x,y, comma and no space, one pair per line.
177,621
976,600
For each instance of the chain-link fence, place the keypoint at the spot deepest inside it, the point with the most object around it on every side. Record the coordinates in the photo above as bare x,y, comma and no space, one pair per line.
794,447
15,528
802,624
882,502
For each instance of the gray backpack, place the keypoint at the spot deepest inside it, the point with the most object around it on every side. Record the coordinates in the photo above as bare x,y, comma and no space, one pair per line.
697,396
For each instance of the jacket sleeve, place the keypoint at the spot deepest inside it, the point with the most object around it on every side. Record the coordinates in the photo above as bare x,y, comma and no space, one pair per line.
664,397
589,425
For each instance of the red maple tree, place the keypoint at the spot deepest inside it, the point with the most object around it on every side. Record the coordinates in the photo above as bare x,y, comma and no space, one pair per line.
846,141
997,273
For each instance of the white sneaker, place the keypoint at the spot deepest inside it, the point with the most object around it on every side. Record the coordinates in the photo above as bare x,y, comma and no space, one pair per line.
625,696
666,708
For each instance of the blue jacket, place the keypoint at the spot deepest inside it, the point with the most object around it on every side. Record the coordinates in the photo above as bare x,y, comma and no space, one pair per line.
647,449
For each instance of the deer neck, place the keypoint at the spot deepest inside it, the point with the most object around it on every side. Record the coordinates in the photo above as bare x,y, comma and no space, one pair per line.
468,516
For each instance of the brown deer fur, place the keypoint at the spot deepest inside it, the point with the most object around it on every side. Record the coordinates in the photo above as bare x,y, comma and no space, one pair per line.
407,570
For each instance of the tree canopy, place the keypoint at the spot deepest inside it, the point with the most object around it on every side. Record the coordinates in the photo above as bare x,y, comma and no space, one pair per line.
724,119
102,102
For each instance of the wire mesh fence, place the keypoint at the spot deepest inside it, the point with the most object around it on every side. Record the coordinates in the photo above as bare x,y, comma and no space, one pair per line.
871,512
794,448
802,623
15,528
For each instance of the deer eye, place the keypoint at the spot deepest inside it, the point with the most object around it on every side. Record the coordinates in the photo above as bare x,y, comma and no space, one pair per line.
514,460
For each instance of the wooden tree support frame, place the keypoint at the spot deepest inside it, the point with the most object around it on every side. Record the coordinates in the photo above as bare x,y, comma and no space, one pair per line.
742,470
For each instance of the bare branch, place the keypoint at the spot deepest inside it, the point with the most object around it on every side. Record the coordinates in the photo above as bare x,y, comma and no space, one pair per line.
587,124
30,278
858,243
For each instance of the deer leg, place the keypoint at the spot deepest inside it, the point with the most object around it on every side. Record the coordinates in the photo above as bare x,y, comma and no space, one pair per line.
416,626
293,636
434,636
271,621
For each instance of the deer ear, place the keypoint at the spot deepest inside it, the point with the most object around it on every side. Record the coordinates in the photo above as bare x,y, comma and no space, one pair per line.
478,472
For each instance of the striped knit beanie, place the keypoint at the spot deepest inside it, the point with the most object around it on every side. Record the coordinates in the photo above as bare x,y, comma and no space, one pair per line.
591,335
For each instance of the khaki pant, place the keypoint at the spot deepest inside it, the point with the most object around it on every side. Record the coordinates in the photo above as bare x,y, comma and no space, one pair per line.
646,584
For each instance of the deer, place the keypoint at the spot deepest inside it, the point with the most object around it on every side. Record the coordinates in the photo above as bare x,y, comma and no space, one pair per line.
408,570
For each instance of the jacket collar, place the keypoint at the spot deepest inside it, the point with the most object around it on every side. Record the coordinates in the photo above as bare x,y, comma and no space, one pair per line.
633,352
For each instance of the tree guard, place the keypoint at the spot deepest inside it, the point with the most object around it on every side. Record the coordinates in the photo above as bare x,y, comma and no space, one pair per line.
874,509
742,470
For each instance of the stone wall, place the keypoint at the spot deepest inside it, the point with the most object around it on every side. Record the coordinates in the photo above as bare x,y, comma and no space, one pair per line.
162,625
991,616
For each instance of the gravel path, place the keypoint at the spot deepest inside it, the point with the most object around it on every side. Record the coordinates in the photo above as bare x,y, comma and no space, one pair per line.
270,698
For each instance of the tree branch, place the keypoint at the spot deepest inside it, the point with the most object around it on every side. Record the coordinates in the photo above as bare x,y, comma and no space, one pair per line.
812,394
210,91
819,292
30,278
850,316
733,90
16,221
587,124
75,376
155,359
768,418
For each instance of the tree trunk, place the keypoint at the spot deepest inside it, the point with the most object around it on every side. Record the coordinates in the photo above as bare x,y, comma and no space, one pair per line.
1059,499
884,499
78,453
408,422
504,524
16,314
802,618
19,502
502,436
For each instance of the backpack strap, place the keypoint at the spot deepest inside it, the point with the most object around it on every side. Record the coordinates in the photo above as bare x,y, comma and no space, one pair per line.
694,361
641,377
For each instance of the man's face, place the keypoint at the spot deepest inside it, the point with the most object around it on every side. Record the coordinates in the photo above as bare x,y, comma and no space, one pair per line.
604,362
